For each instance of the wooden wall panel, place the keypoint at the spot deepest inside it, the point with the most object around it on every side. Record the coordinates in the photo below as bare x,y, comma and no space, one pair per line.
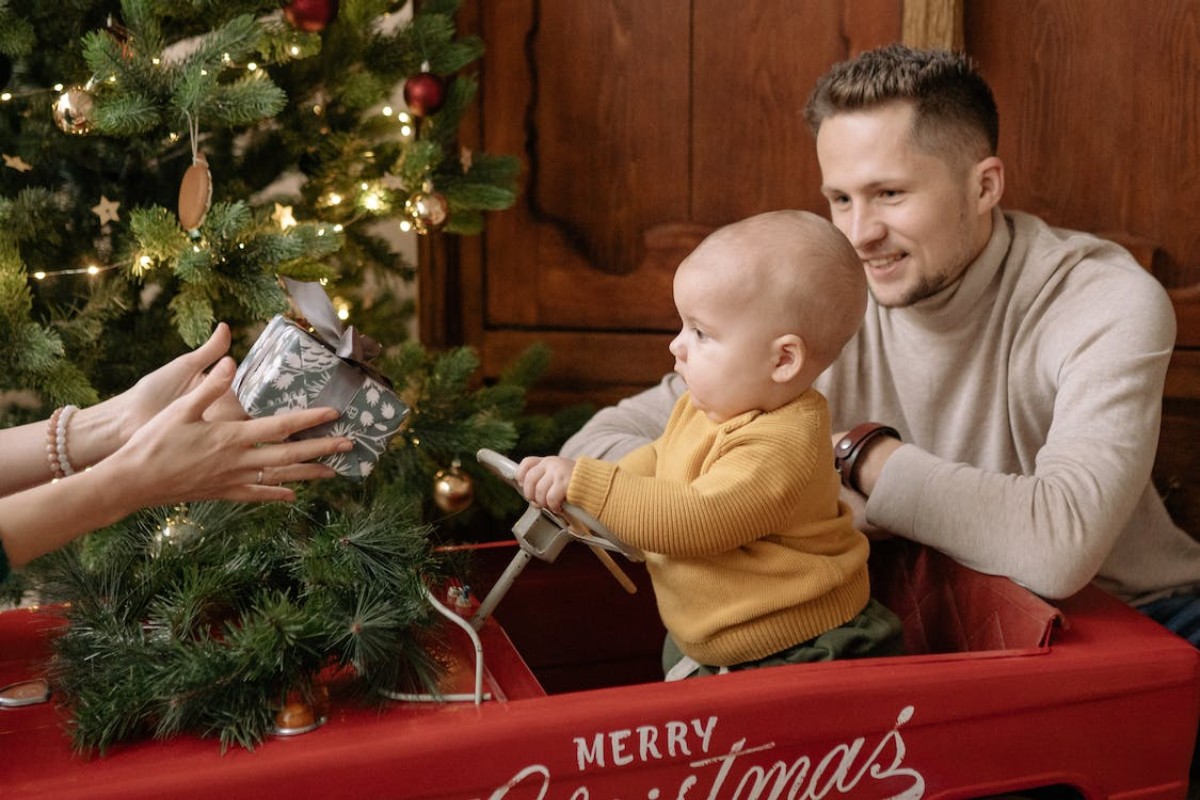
1100,127
642,125
752,151
610,111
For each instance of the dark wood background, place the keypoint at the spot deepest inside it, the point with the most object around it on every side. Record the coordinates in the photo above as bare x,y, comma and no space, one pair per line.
645,123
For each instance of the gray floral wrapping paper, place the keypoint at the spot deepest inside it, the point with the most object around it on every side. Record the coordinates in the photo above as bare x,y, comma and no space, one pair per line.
289,368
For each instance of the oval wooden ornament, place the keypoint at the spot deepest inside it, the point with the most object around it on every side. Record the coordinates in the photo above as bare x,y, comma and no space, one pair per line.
195,194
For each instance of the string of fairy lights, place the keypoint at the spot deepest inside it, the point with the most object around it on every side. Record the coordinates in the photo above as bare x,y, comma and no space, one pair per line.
420,216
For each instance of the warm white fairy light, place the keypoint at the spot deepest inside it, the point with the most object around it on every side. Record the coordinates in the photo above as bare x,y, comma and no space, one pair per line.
406,130
58,87
90,269
6,96
343,308
335,199
387,111
294,50
338,228
372,202
145,261
251,67
405,225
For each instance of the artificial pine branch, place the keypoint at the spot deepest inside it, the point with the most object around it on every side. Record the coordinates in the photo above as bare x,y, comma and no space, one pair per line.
172,635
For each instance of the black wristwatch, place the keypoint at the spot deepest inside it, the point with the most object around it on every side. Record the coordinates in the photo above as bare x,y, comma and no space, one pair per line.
851,446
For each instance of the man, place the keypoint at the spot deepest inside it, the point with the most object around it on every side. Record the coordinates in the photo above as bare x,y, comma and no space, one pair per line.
1013,371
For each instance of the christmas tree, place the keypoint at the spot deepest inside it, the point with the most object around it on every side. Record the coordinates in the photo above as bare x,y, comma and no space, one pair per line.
165,162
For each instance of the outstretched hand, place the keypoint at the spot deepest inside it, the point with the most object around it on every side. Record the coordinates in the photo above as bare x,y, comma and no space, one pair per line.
191,450
157,389
544,480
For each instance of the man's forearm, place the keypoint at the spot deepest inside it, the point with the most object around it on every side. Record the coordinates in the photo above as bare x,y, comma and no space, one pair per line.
617,430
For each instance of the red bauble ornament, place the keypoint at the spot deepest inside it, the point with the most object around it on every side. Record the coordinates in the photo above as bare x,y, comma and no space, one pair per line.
310,15
424,93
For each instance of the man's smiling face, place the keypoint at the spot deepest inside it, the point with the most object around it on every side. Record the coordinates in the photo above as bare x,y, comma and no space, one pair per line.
916,220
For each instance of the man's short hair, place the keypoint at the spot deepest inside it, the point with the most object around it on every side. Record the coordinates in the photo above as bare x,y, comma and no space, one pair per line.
954,113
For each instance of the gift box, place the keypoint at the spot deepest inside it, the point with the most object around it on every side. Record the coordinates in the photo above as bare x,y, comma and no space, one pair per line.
292,366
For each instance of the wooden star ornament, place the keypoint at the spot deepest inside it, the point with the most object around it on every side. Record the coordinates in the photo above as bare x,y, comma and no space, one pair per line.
106,210
283,216
17,163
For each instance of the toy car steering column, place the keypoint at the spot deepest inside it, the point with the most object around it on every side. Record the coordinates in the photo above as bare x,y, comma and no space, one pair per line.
543,534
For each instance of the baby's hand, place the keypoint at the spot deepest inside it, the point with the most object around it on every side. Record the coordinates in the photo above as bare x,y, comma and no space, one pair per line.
544,480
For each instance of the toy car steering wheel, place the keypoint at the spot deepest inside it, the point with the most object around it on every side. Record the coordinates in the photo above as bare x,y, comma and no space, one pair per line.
574,520
542,533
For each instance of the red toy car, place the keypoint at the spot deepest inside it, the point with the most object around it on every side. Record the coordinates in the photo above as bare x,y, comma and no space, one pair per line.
1002,693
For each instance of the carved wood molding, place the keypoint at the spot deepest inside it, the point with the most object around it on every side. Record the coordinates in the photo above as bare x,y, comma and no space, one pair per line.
933,24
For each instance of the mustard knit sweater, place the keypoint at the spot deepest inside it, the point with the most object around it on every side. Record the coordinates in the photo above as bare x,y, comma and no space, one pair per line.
747,545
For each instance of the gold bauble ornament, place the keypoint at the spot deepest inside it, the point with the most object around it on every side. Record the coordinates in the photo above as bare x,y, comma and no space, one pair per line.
427,209
453,489
301,712
73,111
295,715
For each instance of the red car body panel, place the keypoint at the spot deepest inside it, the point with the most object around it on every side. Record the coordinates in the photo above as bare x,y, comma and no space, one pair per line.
1002,693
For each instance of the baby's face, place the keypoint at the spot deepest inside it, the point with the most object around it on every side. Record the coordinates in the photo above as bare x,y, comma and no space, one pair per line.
723,350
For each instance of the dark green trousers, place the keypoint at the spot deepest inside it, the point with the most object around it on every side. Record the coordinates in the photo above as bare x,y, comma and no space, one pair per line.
874,632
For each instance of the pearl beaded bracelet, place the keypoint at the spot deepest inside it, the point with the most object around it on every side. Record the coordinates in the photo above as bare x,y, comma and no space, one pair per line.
56,442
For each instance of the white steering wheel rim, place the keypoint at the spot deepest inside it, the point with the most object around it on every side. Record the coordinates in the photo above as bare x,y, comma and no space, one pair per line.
573,519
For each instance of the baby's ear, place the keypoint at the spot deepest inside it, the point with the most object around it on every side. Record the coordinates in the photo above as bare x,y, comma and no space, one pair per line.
789,354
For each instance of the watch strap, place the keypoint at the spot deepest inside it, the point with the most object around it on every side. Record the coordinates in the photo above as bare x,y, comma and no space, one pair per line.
848,449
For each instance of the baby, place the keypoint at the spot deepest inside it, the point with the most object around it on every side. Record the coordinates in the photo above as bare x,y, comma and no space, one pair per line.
753,558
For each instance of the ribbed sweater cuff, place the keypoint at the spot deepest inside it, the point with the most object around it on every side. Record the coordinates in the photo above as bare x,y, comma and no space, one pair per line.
591,481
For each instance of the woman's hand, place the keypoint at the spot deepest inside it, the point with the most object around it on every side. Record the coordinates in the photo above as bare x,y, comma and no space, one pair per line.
98,431
187,451
158,389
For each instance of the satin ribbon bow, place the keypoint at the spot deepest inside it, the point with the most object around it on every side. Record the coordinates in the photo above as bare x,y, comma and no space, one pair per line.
314,305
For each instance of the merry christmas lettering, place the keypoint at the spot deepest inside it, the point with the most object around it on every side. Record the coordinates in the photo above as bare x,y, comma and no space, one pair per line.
617,744
736,773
